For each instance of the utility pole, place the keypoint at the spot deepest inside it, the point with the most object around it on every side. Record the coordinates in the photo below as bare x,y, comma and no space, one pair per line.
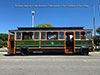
99,10
33,12
94,20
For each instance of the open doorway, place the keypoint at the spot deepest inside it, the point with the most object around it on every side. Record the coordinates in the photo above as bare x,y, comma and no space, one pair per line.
11,43
69,41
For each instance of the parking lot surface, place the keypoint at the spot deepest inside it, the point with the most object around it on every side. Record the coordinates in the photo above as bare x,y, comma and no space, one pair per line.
50,64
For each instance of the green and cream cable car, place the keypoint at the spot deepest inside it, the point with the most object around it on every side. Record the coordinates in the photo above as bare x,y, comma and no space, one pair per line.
28,40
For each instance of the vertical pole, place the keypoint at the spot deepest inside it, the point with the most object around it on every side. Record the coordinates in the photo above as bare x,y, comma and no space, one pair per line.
86,34
46,36
14,43
40,39
33,18
99,10
9,42
21,36
94,20
58,35
65,40
92,42
33,35
74,42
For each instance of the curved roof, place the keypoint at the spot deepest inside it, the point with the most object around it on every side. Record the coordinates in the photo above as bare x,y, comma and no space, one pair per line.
50,28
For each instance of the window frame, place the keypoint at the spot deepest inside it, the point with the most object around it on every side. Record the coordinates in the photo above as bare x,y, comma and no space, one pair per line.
45,35
58,36
53,32
85,35
16,36
79,35
28,39
89,35
34,36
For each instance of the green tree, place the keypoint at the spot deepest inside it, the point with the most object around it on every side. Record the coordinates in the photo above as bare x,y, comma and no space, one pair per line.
97,40
1,43
4,37
98,30
5,43
45,25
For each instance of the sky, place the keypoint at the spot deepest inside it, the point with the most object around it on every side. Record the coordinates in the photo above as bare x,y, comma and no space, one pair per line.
11,17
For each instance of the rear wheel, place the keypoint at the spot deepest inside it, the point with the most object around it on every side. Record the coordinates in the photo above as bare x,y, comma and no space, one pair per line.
85,52
24,51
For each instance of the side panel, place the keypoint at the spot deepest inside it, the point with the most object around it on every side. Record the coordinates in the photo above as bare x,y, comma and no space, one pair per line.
52,44
84,43
40,44
31,44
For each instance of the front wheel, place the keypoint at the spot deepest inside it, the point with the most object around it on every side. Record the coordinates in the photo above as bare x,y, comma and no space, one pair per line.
85,52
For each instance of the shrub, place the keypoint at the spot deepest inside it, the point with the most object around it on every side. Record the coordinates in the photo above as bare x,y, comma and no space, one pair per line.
97,40
1,43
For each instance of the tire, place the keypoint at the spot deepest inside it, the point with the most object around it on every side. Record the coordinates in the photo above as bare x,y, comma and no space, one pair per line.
85,52
24,52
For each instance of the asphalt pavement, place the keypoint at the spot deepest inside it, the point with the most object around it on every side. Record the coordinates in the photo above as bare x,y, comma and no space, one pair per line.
50,64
